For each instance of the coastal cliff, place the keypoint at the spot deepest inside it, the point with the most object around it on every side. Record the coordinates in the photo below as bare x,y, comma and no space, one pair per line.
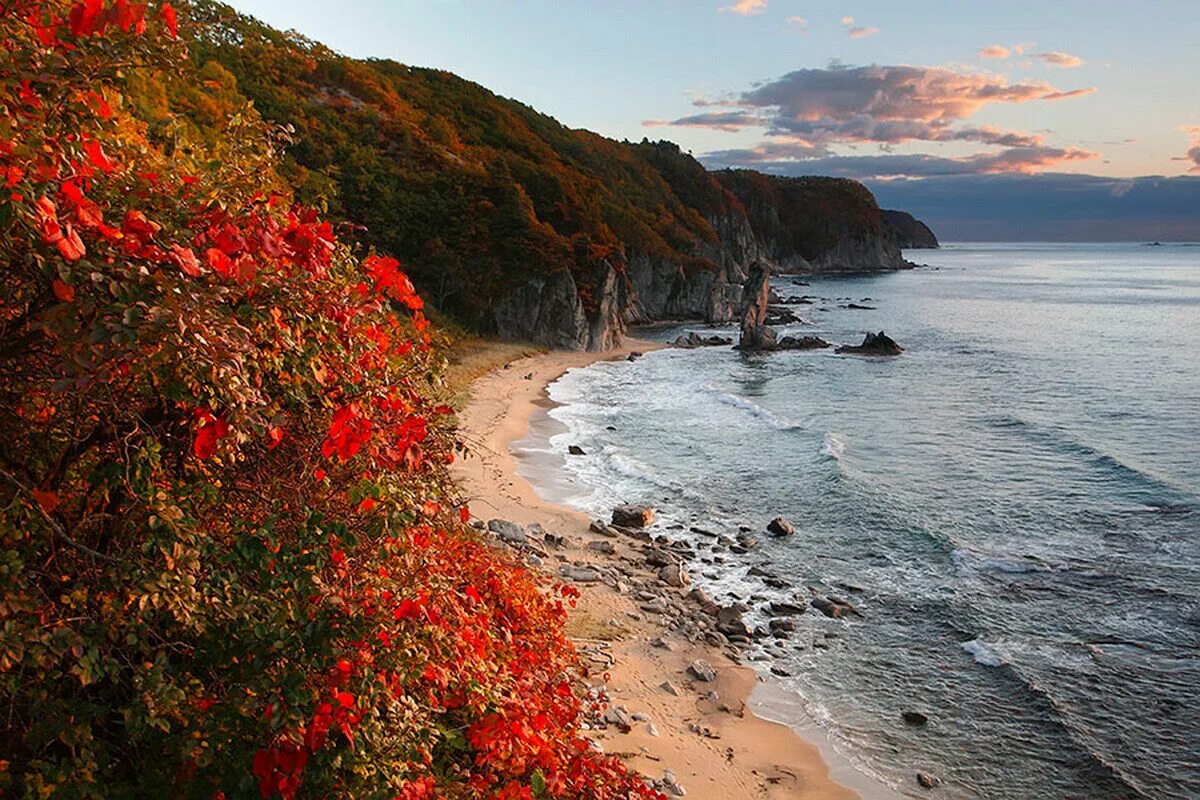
509,222
908,231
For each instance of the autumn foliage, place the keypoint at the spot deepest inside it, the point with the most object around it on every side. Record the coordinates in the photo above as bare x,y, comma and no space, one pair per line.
232,565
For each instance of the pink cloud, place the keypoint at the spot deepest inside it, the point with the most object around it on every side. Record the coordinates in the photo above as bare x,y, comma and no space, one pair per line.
859,32
745,7
808,112
1070,94
798,23
1193,154
995,51
1064,60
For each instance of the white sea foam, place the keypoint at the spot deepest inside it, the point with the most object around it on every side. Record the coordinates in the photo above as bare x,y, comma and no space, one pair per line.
982,653
833,446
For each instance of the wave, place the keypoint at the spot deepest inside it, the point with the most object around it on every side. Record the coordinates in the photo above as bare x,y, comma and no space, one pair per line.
833,446
754,409
1156,491
982,653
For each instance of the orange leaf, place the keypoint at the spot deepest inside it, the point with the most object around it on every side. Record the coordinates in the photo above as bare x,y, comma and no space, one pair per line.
47,500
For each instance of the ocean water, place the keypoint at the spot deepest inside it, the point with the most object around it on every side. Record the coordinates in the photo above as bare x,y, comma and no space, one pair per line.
1013,505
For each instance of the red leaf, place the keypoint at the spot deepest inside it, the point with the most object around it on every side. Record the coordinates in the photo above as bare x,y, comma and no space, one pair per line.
168,15
71,246
95,154
62,291
212,429
186,259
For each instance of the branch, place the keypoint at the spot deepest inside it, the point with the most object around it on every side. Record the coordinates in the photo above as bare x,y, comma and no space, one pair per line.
59,533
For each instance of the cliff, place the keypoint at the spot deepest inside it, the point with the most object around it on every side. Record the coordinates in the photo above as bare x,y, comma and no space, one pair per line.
508,221
908,231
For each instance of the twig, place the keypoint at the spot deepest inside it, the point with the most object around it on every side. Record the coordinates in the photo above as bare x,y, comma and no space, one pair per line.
59,533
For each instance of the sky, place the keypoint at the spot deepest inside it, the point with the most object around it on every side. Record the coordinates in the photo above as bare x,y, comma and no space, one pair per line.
1076,103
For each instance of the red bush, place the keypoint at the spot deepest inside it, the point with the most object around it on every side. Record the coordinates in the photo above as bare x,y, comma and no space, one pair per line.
231,561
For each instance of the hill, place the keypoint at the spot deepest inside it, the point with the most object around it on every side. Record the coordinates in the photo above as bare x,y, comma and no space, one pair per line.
513,223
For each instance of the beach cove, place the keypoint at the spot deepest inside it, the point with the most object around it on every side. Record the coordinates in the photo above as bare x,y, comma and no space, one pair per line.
701,731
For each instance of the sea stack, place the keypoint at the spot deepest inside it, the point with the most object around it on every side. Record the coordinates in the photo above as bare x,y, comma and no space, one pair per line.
756,335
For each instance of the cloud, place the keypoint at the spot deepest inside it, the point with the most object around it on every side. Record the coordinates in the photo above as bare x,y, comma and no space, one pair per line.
995,51
859,32
727,121
1193,154
1070,94
798,24
887,104
745,7
1057,59
807,114
804,159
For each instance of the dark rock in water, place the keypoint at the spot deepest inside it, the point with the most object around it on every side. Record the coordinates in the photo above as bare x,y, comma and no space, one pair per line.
780,527
778,315
693,340
780,671
781,626
873,344
858,307
576,450
801,343
834,607
914,718
631,516
926,780
785,609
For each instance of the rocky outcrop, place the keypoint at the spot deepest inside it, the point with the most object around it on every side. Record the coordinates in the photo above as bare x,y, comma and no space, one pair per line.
549,311
873,344
756,335
908,231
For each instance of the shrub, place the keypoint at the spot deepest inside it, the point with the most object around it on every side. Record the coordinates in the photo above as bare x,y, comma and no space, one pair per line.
232,562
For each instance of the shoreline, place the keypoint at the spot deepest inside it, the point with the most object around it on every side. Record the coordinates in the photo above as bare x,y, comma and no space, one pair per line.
703,732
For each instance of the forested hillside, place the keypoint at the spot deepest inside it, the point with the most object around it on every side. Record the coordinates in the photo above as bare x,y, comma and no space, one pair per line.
508,220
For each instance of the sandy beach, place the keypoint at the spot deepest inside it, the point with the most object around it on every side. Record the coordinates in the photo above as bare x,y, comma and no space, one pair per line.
698,730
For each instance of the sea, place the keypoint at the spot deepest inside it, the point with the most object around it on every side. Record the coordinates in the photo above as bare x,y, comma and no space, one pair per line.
1012,504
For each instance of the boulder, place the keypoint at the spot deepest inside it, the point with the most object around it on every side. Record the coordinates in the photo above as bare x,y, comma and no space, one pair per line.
780,608
576,450
834,607
927,781
674,575
602,546
701,670
873,344
780,527
915,718
509,532
632,516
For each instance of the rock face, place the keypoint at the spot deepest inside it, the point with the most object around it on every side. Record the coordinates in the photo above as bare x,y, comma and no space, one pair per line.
908,231
755,333
787,225
873,344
